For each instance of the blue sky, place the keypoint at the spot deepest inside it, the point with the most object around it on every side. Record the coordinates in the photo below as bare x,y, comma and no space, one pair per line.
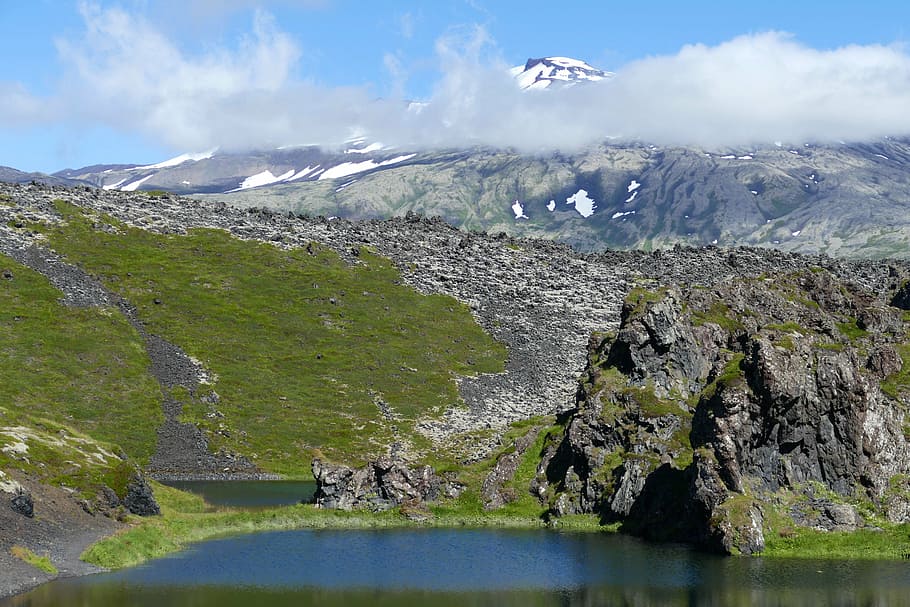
140,81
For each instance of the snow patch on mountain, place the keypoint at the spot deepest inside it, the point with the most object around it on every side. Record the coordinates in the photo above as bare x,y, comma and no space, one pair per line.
544,72
303,173
177,160
114,186
373,147
350,168
264,178
583,204
518,210
132,187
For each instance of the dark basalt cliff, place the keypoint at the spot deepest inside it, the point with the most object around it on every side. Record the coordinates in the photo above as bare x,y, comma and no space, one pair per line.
718,415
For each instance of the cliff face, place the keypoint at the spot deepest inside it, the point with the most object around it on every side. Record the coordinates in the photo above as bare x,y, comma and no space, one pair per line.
715,416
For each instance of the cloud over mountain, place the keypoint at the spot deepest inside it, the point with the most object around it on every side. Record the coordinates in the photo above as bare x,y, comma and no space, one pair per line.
124,72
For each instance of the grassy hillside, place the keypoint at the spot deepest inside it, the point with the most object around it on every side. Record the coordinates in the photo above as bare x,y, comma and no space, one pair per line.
82,367
305,351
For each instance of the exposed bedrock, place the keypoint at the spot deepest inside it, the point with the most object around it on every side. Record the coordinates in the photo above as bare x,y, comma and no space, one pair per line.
380,485
717,415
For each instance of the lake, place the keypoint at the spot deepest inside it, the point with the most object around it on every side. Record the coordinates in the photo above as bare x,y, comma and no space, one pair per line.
249,494
442,567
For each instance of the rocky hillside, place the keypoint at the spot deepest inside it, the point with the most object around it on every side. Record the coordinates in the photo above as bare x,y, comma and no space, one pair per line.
721,415
207,340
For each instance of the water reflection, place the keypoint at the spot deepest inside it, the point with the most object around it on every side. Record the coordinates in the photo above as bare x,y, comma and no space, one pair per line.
249,494
473,567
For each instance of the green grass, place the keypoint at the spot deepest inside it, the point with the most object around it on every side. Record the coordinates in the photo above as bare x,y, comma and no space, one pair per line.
720,314
639,298
302,344
83,367
890,543
850,330
899,382
41,562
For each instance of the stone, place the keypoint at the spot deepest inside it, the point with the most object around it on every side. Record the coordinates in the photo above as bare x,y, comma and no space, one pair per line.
380,485
139,497
23,504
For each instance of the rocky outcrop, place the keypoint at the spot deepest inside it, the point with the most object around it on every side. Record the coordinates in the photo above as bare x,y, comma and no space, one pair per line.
22,503
380,485
710,408
139,497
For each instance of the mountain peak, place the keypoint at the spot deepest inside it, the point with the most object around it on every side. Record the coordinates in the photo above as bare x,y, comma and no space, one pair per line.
543,72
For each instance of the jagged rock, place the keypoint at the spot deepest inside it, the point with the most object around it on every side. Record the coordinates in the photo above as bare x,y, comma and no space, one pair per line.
780,397
901,298
883,361
139,498
23,504
380,485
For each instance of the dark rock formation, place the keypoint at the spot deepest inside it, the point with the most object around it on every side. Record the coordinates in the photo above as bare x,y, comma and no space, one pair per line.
23,504
139,497
711,406
380,485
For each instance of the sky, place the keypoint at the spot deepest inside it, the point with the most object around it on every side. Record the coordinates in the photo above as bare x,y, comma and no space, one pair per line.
139,81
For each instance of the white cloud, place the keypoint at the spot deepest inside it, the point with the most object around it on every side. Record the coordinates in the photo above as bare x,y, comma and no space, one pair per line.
18,107
406,25
126,74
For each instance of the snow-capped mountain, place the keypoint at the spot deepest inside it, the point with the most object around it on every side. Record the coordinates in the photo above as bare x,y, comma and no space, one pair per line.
223,172
214,171
839,198
561,71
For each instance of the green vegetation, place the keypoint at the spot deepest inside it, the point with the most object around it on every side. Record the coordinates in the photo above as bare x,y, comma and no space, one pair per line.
899,382
800,542
787,327
62,456
41,562
851,330
640,297
719,313
296,335
730,376
520,503
85,368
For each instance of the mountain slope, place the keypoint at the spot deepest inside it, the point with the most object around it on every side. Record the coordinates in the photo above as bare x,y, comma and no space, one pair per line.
839,199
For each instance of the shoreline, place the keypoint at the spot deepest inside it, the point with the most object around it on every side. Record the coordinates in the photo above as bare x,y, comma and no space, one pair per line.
222,522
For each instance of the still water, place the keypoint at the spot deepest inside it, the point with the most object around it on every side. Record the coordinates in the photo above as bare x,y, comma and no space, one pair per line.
249,494
442,567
